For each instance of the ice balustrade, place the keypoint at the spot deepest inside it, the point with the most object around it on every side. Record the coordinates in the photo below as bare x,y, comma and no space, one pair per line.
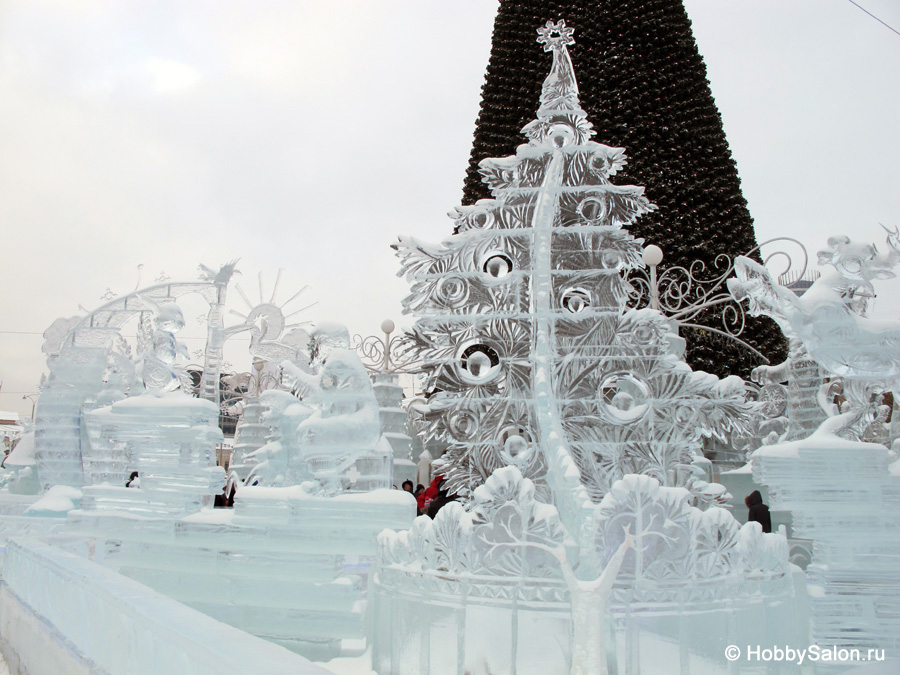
843,492
63,613
491,586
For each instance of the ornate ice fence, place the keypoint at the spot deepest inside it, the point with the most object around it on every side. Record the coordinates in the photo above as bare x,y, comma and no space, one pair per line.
432,622
487,590
60,613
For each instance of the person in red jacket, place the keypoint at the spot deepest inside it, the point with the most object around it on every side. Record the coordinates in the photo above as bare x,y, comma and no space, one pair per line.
424,500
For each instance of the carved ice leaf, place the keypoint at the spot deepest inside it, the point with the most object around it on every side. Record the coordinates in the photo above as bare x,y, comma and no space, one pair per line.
447,540
505,486
716,536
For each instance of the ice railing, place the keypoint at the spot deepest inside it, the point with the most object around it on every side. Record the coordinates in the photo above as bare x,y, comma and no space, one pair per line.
124,627
502,549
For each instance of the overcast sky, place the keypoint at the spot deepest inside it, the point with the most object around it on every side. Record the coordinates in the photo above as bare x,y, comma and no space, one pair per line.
306,135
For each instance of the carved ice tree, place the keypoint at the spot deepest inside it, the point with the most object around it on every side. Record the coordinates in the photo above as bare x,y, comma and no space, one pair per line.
530,355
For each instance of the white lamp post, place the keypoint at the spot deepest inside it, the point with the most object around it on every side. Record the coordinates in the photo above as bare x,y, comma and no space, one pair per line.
387,326
653,256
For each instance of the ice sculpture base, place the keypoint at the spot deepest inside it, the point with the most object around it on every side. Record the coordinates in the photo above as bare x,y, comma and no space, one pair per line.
842,496
284,564
169,439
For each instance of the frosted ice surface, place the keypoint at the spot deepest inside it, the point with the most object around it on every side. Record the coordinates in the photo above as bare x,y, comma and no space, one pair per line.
571,424
838,487
328,429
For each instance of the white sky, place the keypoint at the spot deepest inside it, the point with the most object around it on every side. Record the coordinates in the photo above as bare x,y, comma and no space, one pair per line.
308,135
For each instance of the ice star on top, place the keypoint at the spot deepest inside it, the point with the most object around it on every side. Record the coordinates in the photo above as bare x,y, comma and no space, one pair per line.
563,38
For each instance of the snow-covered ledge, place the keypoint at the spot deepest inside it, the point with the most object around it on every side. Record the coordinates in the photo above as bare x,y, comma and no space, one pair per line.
62,613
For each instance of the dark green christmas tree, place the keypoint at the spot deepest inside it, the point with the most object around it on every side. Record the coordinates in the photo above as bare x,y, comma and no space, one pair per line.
643,84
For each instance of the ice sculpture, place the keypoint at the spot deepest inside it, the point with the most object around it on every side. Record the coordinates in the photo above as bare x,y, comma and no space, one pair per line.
282,564
531,356
381,360
551,396
841,491
327,429
165,434
157,364
81,350
394,424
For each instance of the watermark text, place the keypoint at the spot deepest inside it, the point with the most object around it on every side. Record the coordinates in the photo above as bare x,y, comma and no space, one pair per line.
810,654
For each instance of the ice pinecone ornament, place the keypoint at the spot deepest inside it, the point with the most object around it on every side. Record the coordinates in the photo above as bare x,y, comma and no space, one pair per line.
531,355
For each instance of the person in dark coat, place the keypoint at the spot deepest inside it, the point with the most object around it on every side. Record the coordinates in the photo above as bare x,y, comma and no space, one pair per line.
443,498
759,512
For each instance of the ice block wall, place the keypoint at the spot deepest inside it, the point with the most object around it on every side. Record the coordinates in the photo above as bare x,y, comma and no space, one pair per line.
64,614
844,497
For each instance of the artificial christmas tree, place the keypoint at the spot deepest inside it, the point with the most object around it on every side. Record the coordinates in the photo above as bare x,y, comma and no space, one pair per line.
531,355
645,88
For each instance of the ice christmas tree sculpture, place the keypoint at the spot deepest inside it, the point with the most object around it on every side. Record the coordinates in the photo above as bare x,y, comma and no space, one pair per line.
531,357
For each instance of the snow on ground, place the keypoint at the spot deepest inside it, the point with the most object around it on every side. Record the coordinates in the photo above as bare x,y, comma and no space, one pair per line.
354,665
4,667
358,664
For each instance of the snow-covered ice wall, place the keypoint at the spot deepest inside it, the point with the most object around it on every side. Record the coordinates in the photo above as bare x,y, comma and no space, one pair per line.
60,613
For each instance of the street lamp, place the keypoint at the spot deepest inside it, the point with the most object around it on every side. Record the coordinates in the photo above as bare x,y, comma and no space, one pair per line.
33,398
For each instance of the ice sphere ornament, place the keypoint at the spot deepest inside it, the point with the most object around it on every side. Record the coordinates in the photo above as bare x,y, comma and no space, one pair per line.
531,355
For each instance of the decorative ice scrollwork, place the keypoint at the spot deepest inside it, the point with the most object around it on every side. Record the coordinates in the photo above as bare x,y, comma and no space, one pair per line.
384,355
829,320
685,293
676,541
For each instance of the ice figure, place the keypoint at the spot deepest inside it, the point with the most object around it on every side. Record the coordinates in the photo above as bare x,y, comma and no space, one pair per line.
531,356
840,490
327,428
829,319
157,364
804,379
216,333
551,396
85,355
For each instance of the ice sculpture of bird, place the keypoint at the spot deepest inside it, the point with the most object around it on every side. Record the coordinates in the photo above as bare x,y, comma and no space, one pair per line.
830,317
223,276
